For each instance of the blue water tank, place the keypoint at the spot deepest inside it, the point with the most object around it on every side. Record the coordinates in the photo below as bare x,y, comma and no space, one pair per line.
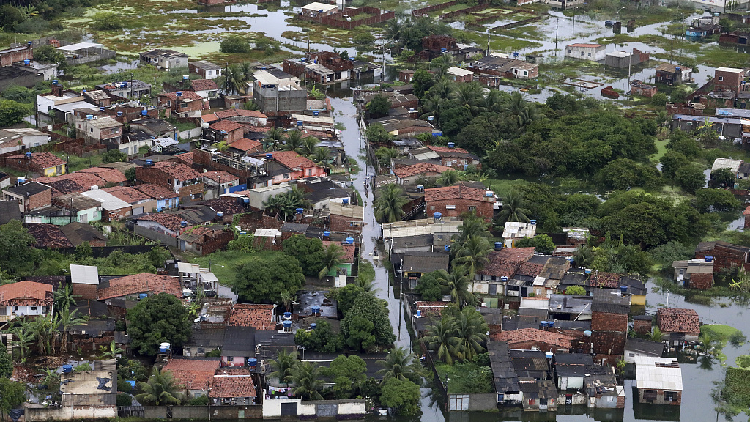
183,223
149,162
532,222
28,155
498,246
349,240
252,362
451,145
326,234
587,333
287,315
299,123
587,271
119,114
709,258
504,278
67,369
286,323
345,201
299,210
142,295
316,113
144,113
131,382
315,309
101,108
313,326
26,62
179,93
623,289
551,324
447,248
543,324
438,215
269,156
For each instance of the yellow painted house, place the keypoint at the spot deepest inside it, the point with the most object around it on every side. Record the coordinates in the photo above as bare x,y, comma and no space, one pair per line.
43,163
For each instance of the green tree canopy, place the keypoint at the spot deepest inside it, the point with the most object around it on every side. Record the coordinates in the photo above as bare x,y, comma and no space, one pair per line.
429,286
389,203
347,374
378,106
160,389
308,251
542,242
17,253
402,395
264,277
12,394
366,325
575,291
716,200
155,320
12,113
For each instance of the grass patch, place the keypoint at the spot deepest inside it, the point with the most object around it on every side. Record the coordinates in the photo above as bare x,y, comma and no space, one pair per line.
723,333
76,163
502,186
224,264
661,149
465,378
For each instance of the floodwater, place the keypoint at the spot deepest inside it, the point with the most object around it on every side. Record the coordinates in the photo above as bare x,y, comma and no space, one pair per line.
698,377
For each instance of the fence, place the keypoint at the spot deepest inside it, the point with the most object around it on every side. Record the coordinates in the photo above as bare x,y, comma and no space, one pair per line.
104,55
341,19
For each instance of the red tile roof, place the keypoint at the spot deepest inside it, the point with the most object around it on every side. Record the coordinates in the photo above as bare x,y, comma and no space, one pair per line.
747,211
186,95
141,283
208,118
678,320
532,334
26,293
84,180
170,221
244,144
605,280
454,192
179,171
348,255
107,174
156,191
252,315
127,194
530,269
225,114
193,374
219,176
292,160
447,149
204,85
419,168
49,236
187,158
43,160
505,262
232,384
227,126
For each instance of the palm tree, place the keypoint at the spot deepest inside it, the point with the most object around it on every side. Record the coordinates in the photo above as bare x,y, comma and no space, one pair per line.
293,140
320,156
68,319
472,225
287,299
471,332
385,155
286,203
307,381
443,338
457,281
332,257
44,328
64,298
513,208
309,145
283,367
471,95
399,364
449,178
473,253
160,389
111,351
389,205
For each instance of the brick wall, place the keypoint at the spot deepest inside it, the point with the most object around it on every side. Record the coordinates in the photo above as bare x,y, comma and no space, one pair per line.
85,291
724,257
8,58
701,281
729,81
603,321
154,176
483,208
196,189
609,342
642,326
41,199
216,241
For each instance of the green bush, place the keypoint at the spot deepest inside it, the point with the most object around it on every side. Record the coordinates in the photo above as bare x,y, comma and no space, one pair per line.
124,400
235,44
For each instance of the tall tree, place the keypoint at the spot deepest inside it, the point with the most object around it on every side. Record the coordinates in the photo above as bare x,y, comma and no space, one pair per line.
283,366
332,257
24,334
441,336
389,204
402,395
263,278
401,364
307,381
17,253
286,204
457,282
67,319
366,324
293,140
160,389
347,373
12,394
473,254
471,332
513,209
155,320
308,251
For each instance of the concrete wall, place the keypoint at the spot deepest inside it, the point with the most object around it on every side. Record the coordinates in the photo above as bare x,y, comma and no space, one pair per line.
482,401
156,236
69,413
322,408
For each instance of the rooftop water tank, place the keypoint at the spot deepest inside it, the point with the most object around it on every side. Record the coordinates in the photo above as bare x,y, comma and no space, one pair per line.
345,201
287,315
286,323
119,114
438,215
26,62
709,258
179,93
419,313
163,347
587,333
183,223
498,246
28,155
142,295
623,289
349,240
269,155
551,324
316,113
144,113
313,326
447,248
587,271
533,222
315,309
220,214
299,210
101,108
252,362
67,369
451,145
326,234
504,278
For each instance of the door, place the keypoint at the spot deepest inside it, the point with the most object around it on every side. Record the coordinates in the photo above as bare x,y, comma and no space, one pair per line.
493,290
288,409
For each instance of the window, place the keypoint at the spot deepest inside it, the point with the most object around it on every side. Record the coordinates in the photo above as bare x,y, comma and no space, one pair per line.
589,54
721,78
472,208
450,207
33,308
670,396
570,51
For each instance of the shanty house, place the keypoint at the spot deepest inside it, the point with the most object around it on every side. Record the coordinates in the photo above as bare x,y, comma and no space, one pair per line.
24,298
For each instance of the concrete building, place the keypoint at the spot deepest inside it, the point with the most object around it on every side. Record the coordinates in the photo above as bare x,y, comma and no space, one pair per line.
99,129
670,74
127,89
593,52
728,79
658,380
694,273
625,59
23,138
15,54
25,298
278,95
29,196
164,59
205,69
